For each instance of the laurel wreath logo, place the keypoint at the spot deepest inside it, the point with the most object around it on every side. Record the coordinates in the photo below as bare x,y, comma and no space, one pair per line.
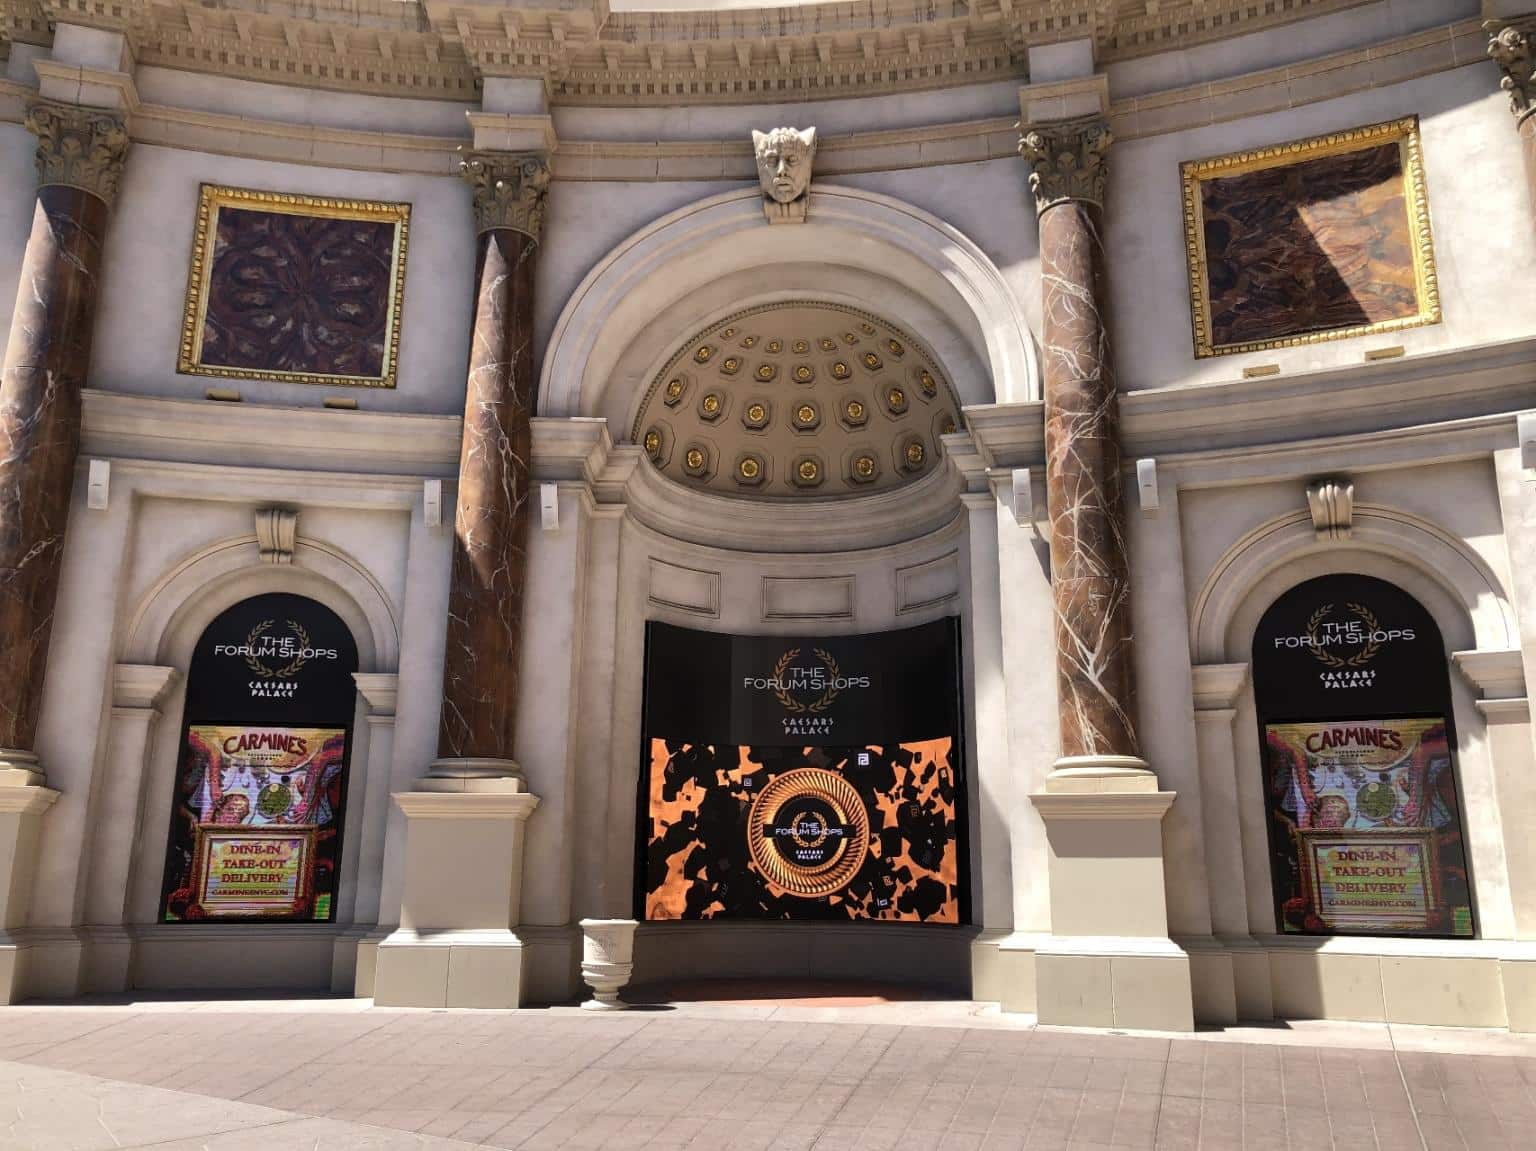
821,703
1361,657
289,668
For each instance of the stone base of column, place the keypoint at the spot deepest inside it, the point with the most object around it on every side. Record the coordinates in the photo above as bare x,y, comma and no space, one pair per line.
450,969
23,799
1108,961
455,947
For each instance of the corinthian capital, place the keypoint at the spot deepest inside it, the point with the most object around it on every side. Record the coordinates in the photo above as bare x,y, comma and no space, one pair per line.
81,147
1067,160
508,188
1509,46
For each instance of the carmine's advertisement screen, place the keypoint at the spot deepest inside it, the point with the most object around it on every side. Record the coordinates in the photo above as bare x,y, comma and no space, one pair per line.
816,778
1354,705
261,786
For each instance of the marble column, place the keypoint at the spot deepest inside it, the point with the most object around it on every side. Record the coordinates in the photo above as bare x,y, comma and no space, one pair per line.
1084,496
491,520
80,155
1108,961
1509,45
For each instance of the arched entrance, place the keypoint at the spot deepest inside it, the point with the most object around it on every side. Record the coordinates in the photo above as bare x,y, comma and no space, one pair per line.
790,469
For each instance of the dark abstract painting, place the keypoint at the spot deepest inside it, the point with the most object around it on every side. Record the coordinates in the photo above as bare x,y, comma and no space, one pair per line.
1317,239
282,292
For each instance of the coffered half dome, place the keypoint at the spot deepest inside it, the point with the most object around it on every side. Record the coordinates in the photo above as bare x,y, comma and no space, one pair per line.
797,399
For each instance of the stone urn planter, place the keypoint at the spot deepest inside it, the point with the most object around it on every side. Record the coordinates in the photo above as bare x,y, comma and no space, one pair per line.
607,960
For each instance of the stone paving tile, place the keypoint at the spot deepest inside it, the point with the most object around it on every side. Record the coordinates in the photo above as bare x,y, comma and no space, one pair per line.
668,1081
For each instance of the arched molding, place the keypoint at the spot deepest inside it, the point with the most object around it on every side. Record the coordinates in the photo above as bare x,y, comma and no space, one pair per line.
692,266
1452,582
166,623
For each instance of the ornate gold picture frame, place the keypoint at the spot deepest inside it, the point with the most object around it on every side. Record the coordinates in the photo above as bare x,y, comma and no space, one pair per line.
295,289
1311,240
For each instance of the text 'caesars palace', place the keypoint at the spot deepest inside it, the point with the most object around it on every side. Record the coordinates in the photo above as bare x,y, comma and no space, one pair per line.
1028,501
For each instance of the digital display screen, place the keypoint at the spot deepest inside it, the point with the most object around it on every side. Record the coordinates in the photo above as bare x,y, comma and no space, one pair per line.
261,785
1370,808
802,778
1360,788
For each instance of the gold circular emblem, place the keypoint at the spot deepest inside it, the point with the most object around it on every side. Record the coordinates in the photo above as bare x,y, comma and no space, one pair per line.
896,348
801,347
864,467
728,333
695,458
855,410
674,389
805,413
730,364
946,425
896,398
803,373
808,832
928,386
749,468
653,442
872,361
828,344
808,470
757,413
765,371
915,453
749,342
774,347
867,329
710,404
850,338
703,354
840,370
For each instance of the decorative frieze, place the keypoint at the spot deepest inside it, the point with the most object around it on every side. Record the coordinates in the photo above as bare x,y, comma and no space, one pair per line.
509,189
1509,46
1067,161
80,147
587,54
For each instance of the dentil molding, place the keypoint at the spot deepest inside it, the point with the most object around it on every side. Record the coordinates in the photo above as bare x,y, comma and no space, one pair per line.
584,53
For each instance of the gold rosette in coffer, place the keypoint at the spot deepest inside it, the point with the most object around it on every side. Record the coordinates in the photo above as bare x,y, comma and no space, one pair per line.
808,832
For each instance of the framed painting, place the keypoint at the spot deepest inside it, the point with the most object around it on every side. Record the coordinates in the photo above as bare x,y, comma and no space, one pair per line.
296,289
1317,239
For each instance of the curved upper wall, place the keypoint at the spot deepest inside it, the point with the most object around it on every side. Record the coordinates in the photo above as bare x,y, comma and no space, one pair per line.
367,99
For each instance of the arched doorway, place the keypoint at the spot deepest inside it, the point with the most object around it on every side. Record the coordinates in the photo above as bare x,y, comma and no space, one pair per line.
261,782
1362,801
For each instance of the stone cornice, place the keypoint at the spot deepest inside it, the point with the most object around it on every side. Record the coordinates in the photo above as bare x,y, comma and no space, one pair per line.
587,55
1276,89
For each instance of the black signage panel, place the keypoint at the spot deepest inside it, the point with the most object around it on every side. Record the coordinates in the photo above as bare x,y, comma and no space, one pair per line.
810,777
261,787
1348,645
786,691
1364,815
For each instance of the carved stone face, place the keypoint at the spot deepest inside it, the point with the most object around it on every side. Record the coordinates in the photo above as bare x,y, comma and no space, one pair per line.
784,162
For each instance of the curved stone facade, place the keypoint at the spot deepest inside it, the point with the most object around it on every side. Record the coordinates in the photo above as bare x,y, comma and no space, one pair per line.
499,333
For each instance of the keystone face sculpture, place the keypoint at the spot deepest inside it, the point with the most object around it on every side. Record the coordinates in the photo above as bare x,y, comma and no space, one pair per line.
784,158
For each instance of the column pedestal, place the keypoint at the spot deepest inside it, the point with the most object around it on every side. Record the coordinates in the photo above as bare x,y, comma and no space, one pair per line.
1108,961
455,946
23,799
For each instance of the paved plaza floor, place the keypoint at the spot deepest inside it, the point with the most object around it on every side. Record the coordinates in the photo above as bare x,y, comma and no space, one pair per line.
851,1074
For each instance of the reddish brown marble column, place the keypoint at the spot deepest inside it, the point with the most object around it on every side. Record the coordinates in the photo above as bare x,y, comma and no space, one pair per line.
1090,580
80,154
1509,46
491,520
